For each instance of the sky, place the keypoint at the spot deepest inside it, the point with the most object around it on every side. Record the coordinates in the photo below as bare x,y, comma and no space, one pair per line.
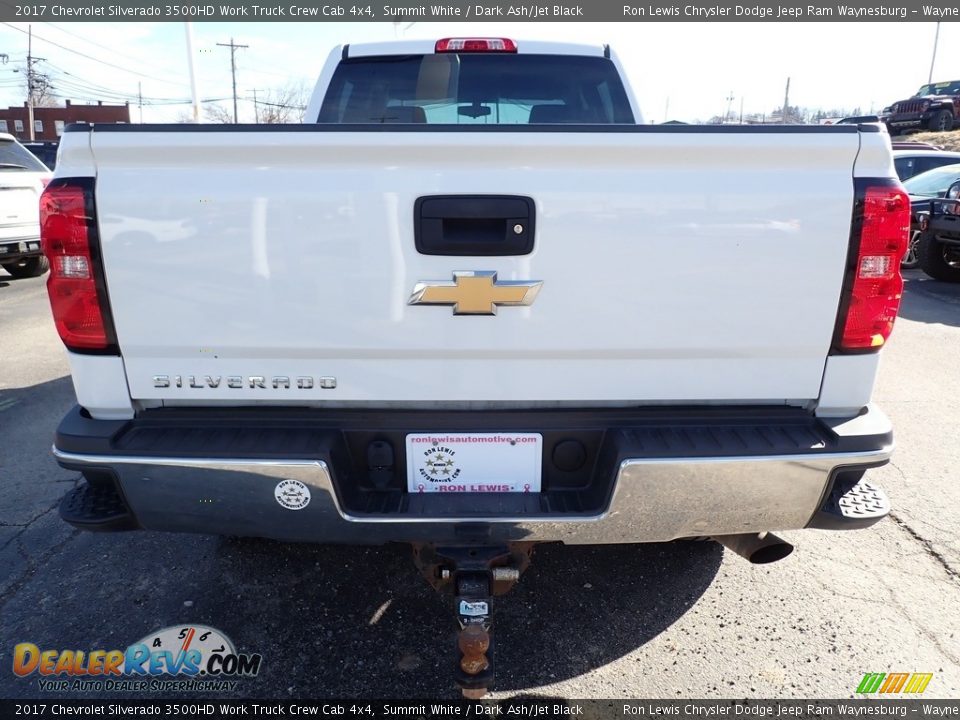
679,71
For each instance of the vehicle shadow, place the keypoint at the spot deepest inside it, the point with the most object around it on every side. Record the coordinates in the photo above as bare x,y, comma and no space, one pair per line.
360,622
930,301
329,621
343,621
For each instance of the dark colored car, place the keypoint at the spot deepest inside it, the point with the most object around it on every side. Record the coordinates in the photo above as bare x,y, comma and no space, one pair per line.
909,163
935,223
938,246
935,107
45,152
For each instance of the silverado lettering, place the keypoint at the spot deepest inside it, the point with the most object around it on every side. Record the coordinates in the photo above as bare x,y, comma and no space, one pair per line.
279,382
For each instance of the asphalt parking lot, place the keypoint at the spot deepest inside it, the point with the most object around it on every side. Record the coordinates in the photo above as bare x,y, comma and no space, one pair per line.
654,621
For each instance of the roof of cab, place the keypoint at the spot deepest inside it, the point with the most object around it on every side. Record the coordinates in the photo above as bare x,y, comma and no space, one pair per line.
426,47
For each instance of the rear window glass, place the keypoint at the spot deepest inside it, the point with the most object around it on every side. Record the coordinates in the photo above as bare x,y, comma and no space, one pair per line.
480,89
16,157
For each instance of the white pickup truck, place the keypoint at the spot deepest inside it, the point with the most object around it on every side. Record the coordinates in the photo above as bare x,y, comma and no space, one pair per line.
473,304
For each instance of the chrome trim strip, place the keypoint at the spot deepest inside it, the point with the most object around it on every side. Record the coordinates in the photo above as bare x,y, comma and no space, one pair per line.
811,469
178,462
883,453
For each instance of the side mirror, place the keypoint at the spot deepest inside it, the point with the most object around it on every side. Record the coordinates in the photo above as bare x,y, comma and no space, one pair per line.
953,192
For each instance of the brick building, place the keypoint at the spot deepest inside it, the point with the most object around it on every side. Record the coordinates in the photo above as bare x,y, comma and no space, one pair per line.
49,122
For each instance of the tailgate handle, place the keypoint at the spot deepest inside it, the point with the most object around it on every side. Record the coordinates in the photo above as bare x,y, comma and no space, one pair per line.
474,225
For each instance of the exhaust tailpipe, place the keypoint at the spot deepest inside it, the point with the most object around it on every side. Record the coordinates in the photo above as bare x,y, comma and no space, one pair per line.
759,548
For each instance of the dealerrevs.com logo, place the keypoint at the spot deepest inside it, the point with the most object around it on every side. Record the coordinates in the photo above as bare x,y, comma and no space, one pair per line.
182,657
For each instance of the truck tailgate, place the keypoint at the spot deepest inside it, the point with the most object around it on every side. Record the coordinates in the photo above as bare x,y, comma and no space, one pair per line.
676,266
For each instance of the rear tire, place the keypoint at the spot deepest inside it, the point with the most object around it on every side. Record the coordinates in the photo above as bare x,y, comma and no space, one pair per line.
910,260
932,258
942,121
28,267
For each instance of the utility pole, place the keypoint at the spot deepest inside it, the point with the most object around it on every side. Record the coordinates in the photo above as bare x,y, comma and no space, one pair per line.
30,82
256,108
786,103
140,99
741,109
936,39
730,99
233,70
194,95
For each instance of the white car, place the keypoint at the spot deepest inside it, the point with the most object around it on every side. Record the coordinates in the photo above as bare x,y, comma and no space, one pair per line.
22,179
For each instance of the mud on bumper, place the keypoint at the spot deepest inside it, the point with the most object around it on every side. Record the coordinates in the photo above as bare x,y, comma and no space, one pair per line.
634,476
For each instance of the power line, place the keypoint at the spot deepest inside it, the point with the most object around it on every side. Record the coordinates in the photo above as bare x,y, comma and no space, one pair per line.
292,106
233,70
91,57
106,49
74,82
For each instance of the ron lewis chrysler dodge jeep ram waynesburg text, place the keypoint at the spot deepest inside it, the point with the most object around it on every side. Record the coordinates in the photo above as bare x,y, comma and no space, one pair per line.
473,304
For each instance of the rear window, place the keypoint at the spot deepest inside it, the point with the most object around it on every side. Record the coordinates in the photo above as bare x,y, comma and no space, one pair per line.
476,89
14,156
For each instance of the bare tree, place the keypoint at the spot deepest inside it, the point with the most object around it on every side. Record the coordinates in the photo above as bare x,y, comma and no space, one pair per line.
43,93
283,105
217,113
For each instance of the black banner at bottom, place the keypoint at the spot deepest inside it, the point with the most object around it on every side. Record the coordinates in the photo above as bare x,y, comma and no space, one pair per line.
527,708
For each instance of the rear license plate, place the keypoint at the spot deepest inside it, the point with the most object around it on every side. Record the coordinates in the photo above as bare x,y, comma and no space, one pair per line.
474,462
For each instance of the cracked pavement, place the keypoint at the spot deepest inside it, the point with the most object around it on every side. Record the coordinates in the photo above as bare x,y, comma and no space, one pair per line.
667,621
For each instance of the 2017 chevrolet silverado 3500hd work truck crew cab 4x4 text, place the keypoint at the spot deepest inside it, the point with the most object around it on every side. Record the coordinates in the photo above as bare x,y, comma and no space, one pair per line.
474,305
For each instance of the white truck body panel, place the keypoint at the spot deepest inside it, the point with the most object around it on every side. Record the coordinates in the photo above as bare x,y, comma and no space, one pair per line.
677,267
100,384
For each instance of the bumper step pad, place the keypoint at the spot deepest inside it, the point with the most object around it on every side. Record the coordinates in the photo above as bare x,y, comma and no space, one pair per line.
98,508
851,507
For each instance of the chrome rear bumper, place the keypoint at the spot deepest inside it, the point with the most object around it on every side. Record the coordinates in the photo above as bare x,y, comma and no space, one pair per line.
652,498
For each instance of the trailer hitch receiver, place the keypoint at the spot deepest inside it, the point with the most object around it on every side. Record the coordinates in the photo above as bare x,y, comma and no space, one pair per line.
474,575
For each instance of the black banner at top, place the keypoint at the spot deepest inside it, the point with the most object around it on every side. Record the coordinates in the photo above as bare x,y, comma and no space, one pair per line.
481,10
509,709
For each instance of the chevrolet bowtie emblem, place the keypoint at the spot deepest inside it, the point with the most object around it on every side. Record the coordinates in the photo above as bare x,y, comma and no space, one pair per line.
475,293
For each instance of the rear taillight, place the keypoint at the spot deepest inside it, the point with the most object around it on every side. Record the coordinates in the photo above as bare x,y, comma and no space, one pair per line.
875,285
475,45
68,237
